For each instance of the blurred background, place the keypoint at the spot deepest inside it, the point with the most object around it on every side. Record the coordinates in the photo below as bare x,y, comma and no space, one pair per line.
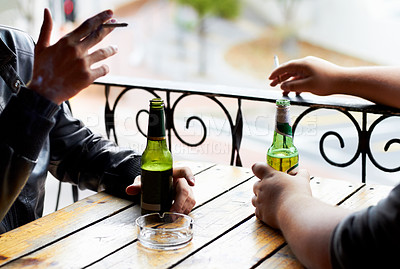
231,42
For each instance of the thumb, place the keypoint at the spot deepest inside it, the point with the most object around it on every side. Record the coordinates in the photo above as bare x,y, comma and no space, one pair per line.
262,169
135,187
45,32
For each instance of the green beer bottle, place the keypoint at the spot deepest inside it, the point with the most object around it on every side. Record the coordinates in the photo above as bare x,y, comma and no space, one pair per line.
156,164
283,155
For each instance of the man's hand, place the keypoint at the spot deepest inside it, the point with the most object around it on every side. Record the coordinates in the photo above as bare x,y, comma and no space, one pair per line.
273,189
309,74
184,198
62,70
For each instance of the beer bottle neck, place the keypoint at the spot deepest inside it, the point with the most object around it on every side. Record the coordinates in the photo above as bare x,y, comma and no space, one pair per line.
156,126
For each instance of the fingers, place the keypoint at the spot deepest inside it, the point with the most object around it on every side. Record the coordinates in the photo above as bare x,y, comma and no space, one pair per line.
184,200
99,72
184,172
91,25
45,32
135,187
102,54
96,36
297,85
281,78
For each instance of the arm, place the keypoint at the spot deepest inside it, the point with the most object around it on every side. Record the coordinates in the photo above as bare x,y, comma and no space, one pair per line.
19,146
60,72
285,202
376,83
78,155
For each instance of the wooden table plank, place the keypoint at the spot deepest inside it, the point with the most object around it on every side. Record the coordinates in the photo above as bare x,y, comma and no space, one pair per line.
367,196
30,237
212,220
196,167
253,235
33,235
283,259
217,180
112,233
242,247
226,232
333,191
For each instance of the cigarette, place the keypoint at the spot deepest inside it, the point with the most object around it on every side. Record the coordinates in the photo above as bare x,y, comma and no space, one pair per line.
276,63
122,24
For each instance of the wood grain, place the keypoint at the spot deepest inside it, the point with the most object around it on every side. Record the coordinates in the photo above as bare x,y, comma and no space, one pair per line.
102,238
68,220
369,195
212,220
100,231
252,241
283,259
333,191
55,226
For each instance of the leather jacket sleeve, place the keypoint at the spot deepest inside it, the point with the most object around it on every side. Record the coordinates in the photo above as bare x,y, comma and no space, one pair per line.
25,124
86,159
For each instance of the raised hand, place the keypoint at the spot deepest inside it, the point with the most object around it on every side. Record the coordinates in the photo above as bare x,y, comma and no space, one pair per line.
62,70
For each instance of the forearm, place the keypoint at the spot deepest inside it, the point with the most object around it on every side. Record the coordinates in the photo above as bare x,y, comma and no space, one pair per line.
87,159
380,85
26,122
14,172
307,225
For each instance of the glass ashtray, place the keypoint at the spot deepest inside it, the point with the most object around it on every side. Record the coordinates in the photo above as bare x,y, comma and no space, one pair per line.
166,231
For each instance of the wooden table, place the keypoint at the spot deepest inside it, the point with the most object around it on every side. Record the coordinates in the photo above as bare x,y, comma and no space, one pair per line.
100,232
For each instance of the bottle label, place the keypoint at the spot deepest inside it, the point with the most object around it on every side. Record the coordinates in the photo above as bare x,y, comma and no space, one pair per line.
283,129
282,125
157,190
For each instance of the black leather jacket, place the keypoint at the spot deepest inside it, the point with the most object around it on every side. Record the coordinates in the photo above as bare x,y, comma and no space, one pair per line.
37,136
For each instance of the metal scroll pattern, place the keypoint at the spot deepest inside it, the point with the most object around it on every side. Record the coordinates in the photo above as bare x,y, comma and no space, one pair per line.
109,114
236,127
364,139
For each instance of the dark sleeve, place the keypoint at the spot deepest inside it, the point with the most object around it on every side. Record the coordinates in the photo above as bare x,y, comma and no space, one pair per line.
25,124
369,238
88,160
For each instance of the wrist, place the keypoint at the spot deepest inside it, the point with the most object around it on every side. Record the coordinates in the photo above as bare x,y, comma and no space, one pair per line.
289,206
37,85
33,101
341,80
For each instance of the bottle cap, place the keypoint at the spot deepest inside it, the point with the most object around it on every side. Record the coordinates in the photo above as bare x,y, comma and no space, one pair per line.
157,103
282,102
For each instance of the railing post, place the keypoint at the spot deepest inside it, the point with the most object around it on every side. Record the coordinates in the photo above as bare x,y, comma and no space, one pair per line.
364,147
238,133
109,115
168,120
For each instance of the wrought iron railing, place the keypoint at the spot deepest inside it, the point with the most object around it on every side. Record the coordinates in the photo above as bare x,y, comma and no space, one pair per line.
312,103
